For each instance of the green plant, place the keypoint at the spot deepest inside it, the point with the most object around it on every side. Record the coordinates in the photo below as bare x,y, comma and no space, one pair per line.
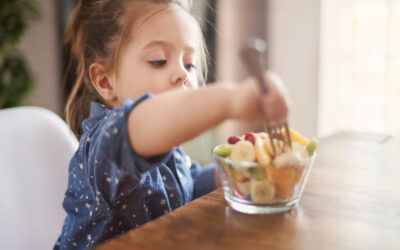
16,80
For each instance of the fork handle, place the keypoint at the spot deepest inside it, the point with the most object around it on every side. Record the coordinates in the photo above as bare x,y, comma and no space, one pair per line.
251,55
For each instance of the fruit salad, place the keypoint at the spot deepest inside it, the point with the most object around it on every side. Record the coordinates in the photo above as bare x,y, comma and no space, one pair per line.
258,175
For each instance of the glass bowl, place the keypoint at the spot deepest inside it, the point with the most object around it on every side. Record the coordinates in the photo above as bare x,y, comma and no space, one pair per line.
251,189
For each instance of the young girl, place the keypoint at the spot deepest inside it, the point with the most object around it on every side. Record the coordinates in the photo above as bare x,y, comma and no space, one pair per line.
135,99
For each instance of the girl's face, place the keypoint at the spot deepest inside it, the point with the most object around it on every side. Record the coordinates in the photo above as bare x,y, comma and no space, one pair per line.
161,56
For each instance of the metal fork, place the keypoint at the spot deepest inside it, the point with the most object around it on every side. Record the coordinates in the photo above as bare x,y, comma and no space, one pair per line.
251,55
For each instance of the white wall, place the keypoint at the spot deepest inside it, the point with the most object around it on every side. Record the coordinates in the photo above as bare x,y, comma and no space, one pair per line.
40,47
294,54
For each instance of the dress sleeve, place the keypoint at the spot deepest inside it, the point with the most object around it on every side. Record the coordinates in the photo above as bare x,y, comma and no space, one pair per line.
203,178
114,163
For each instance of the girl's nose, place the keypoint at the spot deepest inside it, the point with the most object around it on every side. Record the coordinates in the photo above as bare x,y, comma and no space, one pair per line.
180,77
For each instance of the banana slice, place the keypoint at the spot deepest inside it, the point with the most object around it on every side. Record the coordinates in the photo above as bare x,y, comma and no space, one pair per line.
297,147
262,156
243,151
263,135
291,158
279,146
262,191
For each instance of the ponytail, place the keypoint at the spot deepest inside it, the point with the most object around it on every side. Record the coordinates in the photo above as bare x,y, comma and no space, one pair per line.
82,93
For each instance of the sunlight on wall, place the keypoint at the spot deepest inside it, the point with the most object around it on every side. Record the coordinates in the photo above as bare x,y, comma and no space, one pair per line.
360,66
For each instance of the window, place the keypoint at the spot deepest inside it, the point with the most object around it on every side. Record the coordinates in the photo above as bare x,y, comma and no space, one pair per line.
360,66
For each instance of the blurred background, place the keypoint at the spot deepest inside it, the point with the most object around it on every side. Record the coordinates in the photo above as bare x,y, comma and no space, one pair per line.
340,60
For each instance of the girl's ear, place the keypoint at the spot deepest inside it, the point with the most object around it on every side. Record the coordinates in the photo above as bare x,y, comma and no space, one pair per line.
102,82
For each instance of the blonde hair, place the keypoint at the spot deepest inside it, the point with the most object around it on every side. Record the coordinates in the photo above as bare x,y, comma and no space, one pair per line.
97,32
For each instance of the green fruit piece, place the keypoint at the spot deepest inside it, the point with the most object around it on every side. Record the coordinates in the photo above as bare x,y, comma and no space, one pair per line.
257,174
312,146
223,150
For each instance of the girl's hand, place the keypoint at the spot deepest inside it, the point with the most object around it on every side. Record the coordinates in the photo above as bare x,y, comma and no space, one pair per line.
251,104
275,101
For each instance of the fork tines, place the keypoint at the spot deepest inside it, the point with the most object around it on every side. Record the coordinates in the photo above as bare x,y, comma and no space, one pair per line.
275,131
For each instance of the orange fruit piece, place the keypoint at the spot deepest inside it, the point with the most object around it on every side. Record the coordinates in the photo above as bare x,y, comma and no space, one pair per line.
296,137
284,180
299,172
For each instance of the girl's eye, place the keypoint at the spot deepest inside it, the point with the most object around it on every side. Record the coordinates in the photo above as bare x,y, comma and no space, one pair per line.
189,66
158,63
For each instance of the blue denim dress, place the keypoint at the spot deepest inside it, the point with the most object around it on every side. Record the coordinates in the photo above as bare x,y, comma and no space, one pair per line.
112,190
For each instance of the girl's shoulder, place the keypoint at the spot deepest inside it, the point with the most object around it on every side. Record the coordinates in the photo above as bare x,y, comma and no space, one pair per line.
104,118
105,138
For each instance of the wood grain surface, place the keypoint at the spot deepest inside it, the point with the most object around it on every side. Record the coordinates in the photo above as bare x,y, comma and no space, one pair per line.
351,201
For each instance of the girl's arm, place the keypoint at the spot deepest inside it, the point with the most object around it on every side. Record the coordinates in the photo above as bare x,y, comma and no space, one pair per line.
169,119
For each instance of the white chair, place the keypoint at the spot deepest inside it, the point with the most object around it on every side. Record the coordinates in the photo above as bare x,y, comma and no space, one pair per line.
35,149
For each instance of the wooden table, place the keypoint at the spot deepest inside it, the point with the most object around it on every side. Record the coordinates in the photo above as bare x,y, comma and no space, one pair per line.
351,201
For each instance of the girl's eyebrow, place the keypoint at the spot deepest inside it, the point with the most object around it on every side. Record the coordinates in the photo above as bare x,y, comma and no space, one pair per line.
188,48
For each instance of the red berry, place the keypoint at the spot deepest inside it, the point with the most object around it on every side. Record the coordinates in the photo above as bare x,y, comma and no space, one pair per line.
251,137
233,139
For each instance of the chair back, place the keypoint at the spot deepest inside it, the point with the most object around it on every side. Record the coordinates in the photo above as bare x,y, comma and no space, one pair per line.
36,146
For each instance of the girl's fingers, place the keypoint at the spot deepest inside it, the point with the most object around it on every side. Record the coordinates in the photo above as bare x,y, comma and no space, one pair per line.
275,105
276,84
275,108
